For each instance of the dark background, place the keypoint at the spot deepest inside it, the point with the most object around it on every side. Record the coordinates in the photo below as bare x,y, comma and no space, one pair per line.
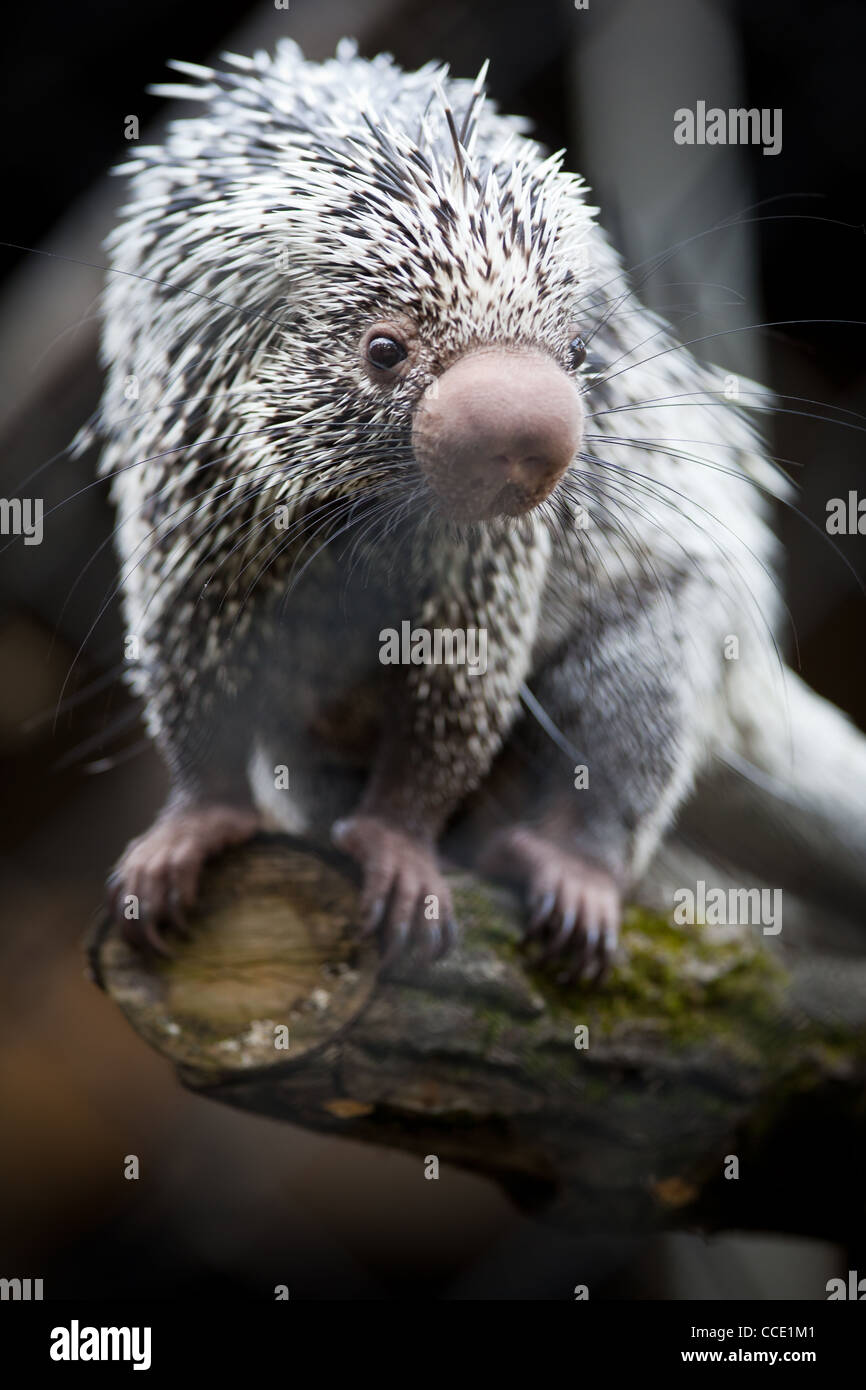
228,1203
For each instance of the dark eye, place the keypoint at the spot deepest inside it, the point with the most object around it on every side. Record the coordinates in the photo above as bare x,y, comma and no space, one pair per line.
577,350
385,353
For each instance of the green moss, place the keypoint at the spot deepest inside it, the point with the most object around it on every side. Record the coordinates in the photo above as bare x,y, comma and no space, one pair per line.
682,983
480,916
677,983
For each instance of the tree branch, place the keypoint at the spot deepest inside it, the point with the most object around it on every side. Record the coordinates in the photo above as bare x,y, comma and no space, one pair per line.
702,1044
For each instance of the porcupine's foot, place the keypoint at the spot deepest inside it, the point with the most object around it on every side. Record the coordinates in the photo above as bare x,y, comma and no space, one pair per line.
402,882
158,873
574,906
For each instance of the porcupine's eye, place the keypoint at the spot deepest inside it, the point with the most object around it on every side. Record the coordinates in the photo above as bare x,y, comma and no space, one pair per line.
577,352
386,353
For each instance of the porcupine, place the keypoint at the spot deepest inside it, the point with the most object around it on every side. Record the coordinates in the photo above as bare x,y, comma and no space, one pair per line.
357,304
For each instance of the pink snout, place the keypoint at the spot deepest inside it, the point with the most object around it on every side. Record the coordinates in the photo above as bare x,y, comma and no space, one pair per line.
496,432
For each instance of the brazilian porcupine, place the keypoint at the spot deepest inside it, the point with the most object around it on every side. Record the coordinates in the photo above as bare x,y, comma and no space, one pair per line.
356,304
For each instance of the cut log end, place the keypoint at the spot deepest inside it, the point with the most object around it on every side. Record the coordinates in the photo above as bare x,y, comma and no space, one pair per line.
272,972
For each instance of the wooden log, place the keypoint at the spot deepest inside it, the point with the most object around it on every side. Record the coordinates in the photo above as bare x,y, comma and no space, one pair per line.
703,1044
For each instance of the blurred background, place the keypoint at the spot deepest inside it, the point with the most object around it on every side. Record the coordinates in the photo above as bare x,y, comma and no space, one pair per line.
228,1203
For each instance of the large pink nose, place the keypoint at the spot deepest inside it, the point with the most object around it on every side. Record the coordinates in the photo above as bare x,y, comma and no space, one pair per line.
496,432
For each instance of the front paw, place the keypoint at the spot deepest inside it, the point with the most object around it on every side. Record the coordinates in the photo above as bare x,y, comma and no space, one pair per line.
574,905
575,913
404,894
155,882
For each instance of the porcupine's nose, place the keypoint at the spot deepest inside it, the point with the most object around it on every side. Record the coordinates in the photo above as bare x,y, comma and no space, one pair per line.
496,432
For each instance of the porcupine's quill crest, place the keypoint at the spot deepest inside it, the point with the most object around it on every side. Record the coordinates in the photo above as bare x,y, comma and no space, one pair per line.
324,172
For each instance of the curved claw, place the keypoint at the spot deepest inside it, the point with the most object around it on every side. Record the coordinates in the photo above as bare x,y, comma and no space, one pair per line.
541,906
143,933
430,947
563,936
397,934
448,938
